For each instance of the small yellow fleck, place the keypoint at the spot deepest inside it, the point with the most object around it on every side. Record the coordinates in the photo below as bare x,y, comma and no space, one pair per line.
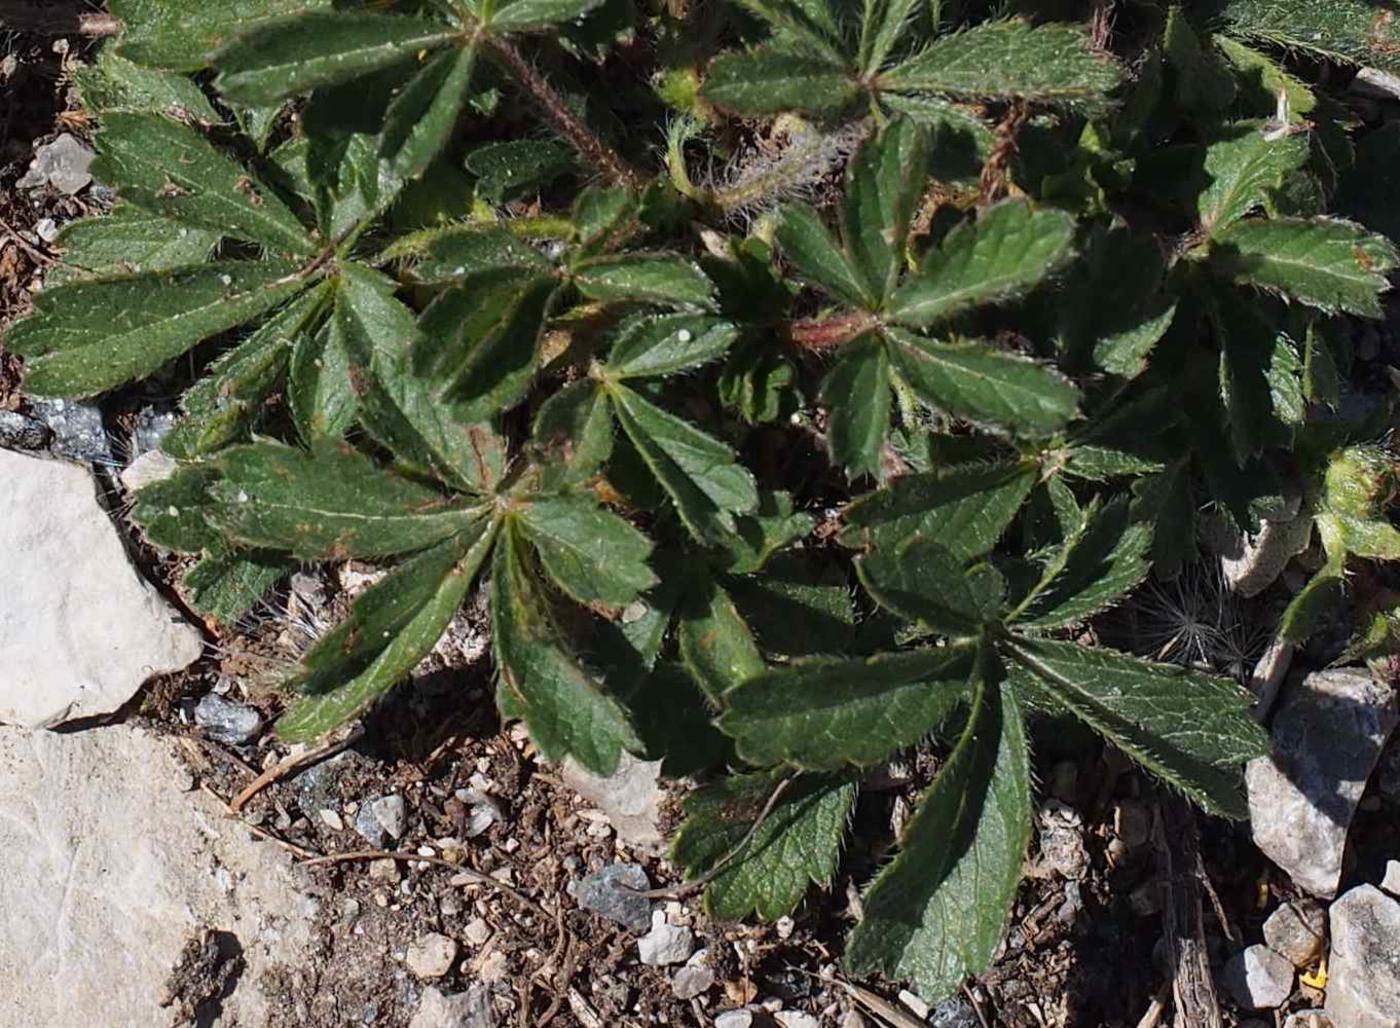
1317,978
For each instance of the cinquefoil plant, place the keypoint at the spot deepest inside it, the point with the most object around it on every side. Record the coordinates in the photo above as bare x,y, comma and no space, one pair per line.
772,499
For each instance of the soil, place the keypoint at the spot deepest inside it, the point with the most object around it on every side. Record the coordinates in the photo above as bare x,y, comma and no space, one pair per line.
1082,949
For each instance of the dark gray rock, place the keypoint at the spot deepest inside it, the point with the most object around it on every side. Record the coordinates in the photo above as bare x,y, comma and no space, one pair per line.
21,433
1327,737
367,826
225,721
609,893
78,433
953,1013
1363,970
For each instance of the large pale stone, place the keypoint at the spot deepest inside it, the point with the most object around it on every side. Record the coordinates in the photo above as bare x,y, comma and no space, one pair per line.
79,630
109,868
631,797
1327,737
1363,984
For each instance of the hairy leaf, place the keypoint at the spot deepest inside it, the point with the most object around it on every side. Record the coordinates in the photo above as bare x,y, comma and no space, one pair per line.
594,555
1350,31
419,122
182,35
857,395
715,641
769,82
921,580
1246,168
656,278
128,241
668,344
884,184
809,244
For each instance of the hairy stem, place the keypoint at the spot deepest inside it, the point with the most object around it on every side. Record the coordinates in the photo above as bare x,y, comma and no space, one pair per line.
62,20
826,333
556,110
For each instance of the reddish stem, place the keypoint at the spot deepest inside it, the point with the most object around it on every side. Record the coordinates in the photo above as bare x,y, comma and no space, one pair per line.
825,333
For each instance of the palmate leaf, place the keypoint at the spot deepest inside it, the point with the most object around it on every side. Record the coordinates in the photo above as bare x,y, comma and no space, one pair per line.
170,169
827,713
937,911
319,48
857,396
795,847
569,712
700,474
998,257
126,242
182,35
1190,729
966,508
1350,31
983,385
1246,168
1332,265
769,81
591,553
89,336
392,626
1051,64
884,184
331,503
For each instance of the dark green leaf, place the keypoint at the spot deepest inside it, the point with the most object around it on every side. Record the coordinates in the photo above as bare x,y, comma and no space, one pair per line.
112,83
420,121
1351,31
715,641
225,586
919,579
806,241
173,512
128,241
857,396
513,169
667,344
591,553
770,82
499,367
525,15
655,278
1246,168
181,35
574,433
884,185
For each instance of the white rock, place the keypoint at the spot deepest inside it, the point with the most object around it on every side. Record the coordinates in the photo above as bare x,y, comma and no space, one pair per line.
79,630
470,1009
1308,1019
477,931
431,955
390,812
631,797
1377,83
1258,978
151,466
109,870
796,1019
1327,735
1391,882
62,163
734,1019
1363,969
691,981
1297,931
665,943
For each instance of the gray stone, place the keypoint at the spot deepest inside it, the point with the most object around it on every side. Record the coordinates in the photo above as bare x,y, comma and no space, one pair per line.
665,944
152,425
1062,840
470,1009
62,163
1390,882
431,955
22,433
734,1019
953,1013
391,814
631,797
78,432
46,229
796,1019
109,869
225,721
1297,931
691,981
79,630
1327,736
367,826
1258,978
1363,969
1374,82
613,893
152,466
1308,1019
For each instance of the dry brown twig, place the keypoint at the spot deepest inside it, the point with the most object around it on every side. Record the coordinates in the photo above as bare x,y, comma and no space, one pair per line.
294,763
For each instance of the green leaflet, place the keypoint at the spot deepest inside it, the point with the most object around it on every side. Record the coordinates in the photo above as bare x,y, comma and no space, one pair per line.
1004,59
225,586
422,116
331,503
568,711
1328,264
573,431
826,713
173,512
525,15
500,364
515,168
181,35
769,82
654,278
701,475
884,184
170,169
319,48
1192,730
128,241
112,83
665,345
806,241
320,390
89,336
1322,592
478,254
1350,31
966,508
427,592
715,642
998,257
857,396
803,26
1246,168
795,847
884,21
591,553
936,912
921,580
976,382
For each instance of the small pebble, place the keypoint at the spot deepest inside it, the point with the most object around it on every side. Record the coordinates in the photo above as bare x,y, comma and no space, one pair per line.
225,721
331,819
390,812
368,828
913,1004
613,893
691,981
734,1019
796,1019
431,956
665,943
477,932
1391,882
